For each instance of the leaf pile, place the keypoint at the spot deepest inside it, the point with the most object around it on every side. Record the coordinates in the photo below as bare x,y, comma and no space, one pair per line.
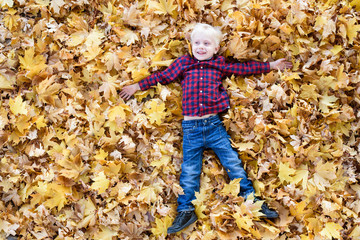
77,162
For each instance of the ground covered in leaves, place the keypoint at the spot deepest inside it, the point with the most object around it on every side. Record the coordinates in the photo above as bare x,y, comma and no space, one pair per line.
77,162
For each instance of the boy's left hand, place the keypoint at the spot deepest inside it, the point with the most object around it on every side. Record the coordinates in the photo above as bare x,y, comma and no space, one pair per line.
281,64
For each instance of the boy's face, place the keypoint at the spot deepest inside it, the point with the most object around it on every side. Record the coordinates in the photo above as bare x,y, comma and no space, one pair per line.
203,46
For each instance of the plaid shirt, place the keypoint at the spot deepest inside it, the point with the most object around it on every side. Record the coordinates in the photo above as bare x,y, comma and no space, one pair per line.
201,81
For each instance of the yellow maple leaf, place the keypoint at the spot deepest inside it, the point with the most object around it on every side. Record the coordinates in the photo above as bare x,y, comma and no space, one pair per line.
301,174
199,211
31,63
149,194
200,206
331,230
164,7
243,146
237,47
324,83
105,233
352,29
336,49
101,183
11,21
8,228
118,111
7,82
155,111
112,60
101,155
71,167
48,89
285,172
137,75
342,78
299,210
226,5
163,161
89,209
57,195
126,36
8,3
43,3
244,222
77,38
92,52
122,190
356,4
286,28
232,188
327,102
324,173
355,234
309,92
95,37
56,5
109,85
18,106
40,122
161,226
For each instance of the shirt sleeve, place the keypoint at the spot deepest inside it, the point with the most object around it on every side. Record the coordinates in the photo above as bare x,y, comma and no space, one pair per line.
167,76
246,68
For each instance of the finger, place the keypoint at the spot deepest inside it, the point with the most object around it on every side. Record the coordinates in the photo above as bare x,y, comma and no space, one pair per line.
123,95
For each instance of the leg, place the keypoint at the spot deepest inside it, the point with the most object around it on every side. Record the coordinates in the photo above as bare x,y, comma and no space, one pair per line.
189,177
219,141
191,167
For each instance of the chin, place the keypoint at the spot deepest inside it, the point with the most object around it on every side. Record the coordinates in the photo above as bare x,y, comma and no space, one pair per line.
201,58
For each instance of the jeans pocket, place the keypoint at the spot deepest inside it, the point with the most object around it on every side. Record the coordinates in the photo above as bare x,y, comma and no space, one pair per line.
188,128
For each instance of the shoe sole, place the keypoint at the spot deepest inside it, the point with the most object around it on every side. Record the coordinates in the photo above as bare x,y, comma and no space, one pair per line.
191,221
270,216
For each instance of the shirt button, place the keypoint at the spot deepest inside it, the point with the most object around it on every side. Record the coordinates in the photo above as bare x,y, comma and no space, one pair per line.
201,67
201,91
201,78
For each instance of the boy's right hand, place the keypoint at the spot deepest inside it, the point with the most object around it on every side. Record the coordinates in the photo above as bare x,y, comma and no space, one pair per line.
128,91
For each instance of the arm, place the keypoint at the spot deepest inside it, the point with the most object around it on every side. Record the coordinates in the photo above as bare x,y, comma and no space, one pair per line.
165,77
254,67
245,68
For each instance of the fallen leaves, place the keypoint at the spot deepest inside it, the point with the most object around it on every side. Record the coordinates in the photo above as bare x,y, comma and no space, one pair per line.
79,162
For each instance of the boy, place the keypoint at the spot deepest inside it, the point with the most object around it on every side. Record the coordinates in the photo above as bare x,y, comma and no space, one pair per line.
203,98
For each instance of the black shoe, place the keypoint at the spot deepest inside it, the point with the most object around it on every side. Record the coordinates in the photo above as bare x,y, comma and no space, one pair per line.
182,220
269,213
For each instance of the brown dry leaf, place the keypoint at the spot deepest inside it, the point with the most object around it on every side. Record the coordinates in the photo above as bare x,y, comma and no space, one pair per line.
80,162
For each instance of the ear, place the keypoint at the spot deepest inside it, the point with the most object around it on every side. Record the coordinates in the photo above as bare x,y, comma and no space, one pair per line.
217,49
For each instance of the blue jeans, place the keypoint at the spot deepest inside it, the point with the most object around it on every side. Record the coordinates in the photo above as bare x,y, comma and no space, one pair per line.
198,136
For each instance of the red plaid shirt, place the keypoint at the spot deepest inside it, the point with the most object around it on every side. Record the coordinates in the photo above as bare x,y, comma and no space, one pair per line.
201,81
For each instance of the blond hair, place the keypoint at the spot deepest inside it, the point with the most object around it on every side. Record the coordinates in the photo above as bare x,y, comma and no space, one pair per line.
209,30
